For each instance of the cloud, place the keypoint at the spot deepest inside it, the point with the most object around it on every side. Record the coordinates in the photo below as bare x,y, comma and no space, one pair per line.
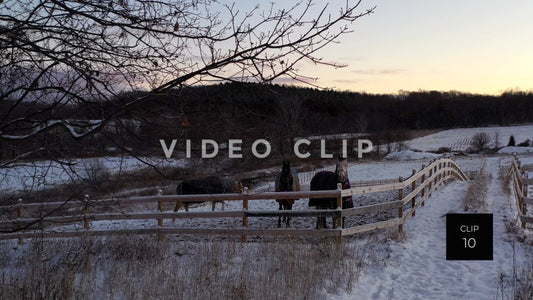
379,71
295,81
345,81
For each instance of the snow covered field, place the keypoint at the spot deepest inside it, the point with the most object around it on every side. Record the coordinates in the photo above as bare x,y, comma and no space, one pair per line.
412,268
417,268
41,174
459,139
44,174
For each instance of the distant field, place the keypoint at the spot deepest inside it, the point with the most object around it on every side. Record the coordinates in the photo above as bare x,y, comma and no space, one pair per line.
459,139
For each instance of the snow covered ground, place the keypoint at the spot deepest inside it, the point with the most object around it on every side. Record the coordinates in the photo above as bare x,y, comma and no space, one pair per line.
415,268
411,155
459,139
412,269
515,150
25,176
418,269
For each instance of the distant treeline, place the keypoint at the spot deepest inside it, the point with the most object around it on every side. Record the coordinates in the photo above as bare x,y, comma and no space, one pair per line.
277,113
307,111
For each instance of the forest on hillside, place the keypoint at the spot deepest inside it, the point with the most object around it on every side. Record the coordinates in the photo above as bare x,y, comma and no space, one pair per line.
277,113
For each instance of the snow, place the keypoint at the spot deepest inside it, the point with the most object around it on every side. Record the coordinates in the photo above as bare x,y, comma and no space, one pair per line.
459,139
74,129
412,269
331,136
517,150
418,269
42,174
410,155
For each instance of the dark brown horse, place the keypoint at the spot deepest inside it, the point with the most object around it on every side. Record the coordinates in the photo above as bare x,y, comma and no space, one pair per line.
287,181
207,185
327,180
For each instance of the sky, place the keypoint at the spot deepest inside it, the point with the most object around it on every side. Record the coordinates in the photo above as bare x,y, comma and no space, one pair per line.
476,46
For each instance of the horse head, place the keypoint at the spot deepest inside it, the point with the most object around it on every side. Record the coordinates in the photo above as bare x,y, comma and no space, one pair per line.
341,169
286,179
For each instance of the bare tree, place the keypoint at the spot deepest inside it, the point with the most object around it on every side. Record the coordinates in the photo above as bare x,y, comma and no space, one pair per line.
290,112
480,141
57,56
70,70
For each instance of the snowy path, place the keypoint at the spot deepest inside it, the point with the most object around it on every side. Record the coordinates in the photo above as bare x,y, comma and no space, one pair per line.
418,269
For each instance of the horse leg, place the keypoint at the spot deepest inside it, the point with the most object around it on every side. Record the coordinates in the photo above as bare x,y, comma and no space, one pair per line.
334,218
213,206
288,221
285,218
279,217
325,219
321,221
176,208
318,219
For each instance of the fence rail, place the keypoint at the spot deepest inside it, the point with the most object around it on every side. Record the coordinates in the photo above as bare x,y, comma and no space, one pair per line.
420,186
521,182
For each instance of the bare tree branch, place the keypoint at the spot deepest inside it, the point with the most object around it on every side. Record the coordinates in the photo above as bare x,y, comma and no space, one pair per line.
59,54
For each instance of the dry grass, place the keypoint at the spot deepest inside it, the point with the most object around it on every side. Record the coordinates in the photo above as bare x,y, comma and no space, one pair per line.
140,268
98,184
525,284
505,179
519,284
475,199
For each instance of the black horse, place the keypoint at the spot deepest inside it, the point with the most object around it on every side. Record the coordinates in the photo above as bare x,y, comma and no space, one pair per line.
326,180
207,185
287,181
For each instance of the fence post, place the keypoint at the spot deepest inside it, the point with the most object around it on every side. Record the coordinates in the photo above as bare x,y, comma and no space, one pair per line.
413,201
422,183
160,220
340,223
400,208
423,192
523,189
86,223
430,182
524,204
20,215
339,204
436,177
245,216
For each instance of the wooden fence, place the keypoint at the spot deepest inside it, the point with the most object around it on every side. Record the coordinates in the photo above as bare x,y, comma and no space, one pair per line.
521,181
412,193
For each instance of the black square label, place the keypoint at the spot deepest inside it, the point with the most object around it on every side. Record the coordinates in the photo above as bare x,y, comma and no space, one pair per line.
468,236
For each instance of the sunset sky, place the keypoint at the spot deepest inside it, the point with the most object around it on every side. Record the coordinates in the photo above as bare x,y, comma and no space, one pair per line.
478,46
